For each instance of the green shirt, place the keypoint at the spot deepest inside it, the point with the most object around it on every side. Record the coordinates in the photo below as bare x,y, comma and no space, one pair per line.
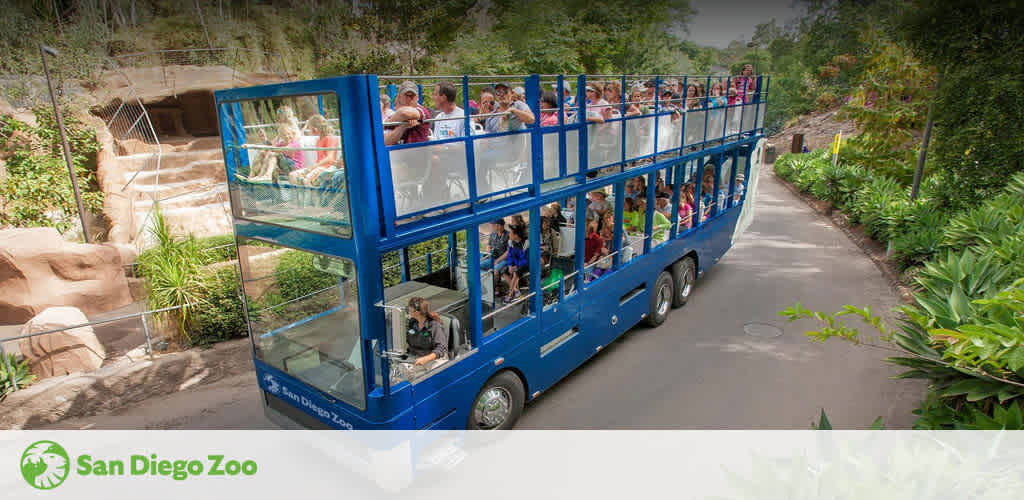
552,280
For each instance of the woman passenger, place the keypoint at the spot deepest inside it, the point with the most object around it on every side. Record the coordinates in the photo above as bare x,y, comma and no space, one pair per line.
326,154
518,263
425,336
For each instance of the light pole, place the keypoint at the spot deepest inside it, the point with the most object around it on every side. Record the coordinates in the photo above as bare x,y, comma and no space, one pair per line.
43,50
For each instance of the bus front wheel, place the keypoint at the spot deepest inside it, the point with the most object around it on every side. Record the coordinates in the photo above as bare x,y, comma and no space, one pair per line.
661,300
499,403
684,273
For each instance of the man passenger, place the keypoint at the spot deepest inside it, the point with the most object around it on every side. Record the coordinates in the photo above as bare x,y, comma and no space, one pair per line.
497,245
413,117
445,124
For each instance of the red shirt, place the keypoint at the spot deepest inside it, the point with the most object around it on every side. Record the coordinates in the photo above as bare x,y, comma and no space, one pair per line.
327,141
592,246
419,133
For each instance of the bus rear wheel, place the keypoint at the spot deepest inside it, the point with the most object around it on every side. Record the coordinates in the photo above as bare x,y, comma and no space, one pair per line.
499,403
661,300
684,274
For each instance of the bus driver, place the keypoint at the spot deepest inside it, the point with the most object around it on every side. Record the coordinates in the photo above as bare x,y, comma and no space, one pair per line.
426,339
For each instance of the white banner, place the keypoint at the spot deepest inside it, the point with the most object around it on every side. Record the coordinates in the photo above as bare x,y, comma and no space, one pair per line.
291,465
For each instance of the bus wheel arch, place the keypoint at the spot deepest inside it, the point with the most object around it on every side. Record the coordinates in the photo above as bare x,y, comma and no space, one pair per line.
499,403
684,275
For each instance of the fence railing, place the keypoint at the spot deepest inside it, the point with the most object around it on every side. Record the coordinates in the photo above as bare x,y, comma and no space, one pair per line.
142,315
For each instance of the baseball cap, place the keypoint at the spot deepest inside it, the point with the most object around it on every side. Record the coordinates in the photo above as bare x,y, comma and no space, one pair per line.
500,222
519,91
408,86
502,85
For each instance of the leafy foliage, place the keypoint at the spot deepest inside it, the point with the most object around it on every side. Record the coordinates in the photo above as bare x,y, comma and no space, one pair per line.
19,374
222,316
36,190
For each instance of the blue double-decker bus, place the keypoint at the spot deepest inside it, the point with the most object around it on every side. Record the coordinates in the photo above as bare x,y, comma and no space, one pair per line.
434,252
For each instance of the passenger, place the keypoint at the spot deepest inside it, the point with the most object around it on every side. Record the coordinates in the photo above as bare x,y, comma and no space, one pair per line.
607,221
488,105
447,124
598,205
593,250
633,220
663,205
613,96
517,223
413,126
640,186
595,103
516,112
557,219
497,245
734,97
740,187
326,153
717,99
629,191
686,206
268,166
638,102
706,198
746,84
549,238
518,263
548,109
661,224
692,101
702,94
425,338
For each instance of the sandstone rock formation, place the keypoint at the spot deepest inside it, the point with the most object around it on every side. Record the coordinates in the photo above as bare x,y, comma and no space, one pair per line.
38,270
61,353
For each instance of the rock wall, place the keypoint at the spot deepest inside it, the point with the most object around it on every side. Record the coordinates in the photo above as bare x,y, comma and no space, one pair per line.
61,353
38,269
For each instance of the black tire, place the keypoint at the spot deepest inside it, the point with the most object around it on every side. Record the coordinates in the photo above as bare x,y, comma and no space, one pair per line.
661,300
684,276
503,388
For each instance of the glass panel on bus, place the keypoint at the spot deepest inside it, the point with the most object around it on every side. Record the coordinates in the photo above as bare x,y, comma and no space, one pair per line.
724,182
505,271
502,162
733,117
426,306
716,124
740,180
304,314
749,117
429,176
695,127
291,169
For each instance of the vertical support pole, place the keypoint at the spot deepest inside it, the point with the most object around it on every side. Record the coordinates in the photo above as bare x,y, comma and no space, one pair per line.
64,143
536,139
677,188
652,181
403,262
149,343
622,129
581,236
429,264
620,198
534,258
707,112
320,103
657,115
698,210
562,168
471,187
581,118
473,278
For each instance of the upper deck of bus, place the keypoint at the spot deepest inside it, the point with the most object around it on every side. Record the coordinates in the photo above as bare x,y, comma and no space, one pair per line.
414,190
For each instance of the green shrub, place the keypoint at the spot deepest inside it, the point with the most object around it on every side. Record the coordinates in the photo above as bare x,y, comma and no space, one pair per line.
297,275
876,203
916,233
19,374
174,274
219,248
222,316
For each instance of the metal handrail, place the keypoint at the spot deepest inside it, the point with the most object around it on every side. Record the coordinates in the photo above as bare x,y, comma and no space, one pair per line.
506,306
142,314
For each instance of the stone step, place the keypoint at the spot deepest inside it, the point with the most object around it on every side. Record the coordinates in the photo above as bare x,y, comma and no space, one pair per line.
203,196
198,220
140,192
147,161
211,170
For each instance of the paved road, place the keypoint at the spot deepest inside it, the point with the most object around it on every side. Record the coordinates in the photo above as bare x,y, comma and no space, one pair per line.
699,370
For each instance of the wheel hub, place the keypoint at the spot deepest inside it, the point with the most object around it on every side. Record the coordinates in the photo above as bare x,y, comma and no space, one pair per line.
493,407
664,299
684,291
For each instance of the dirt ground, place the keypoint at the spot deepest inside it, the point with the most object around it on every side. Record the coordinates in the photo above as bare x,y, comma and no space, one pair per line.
123,384
818,129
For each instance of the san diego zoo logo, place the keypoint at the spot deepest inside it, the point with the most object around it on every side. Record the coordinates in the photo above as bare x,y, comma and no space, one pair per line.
45,465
